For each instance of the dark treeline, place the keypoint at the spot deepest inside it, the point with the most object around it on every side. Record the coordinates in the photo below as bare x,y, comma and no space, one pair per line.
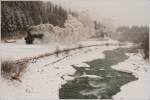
101,30
135,34
17,15
145,46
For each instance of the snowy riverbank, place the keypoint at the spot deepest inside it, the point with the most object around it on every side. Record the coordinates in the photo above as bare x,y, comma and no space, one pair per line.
139,89
19,50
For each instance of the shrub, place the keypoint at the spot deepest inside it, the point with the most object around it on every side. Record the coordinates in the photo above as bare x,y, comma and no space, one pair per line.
12,69
145,46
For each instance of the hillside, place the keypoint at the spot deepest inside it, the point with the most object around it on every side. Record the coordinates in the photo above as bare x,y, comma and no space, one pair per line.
16,16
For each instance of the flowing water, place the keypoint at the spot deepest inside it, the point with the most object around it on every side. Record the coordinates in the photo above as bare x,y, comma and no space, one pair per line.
105,85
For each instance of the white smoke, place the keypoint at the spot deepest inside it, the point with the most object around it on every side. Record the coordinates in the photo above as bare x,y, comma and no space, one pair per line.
75,29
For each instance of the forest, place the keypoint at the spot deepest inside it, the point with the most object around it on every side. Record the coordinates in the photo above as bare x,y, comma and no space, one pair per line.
16,16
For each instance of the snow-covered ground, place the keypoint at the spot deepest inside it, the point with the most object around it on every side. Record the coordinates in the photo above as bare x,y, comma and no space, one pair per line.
139,89
43,78
19,50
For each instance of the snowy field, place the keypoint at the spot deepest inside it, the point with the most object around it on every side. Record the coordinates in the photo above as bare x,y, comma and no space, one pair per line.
43,78
19,50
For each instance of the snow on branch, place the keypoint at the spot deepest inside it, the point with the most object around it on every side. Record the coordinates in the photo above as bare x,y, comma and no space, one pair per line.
75,29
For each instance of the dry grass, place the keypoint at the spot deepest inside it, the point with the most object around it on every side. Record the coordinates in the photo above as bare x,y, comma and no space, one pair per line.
12,69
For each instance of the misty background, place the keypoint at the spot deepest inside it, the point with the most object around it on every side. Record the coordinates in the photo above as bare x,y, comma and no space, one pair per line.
118,12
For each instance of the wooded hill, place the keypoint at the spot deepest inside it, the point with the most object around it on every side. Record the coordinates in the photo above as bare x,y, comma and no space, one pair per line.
17,15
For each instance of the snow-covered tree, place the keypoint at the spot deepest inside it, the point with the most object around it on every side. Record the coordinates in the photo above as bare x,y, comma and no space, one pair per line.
16,15
73,31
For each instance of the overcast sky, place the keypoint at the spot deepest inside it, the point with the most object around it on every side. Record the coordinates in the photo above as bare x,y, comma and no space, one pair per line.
120,12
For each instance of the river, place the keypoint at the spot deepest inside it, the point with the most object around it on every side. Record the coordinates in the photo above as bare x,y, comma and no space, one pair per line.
99,81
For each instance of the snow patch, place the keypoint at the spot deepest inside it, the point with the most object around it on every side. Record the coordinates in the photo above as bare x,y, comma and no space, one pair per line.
82,65
91,76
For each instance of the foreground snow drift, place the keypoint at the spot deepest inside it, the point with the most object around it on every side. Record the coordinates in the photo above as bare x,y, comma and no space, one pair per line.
137,90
